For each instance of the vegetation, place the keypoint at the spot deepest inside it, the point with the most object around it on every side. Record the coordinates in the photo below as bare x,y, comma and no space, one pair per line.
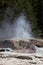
33,10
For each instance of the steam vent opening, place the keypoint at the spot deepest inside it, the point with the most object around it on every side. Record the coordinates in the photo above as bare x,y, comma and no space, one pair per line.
17,35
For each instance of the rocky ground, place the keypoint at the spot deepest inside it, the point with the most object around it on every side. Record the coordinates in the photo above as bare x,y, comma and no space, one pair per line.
12,58
22,52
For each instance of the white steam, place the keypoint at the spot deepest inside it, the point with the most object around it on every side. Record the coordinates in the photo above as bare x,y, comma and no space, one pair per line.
21,28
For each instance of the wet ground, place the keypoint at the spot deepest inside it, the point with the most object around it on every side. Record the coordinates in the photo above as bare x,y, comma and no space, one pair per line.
23,53
12,58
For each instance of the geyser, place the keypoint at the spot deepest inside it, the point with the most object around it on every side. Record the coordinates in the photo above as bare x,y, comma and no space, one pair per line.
23,28
20,29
